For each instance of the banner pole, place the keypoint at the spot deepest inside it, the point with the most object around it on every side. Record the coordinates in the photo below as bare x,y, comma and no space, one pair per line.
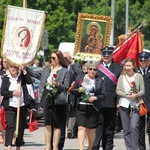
18,114
24,4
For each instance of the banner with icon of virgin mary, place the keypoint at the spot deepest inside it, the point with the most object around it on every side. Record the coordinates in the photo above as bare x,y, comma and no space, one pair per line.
23,29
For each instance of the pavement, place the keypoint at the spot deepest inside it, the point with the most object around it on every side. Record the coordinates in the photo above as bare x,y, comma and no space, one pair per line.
35,141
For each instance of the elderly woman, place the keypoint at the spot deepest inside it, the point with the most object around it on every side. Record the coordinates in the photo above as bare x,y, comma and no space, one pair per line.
89,91
11,91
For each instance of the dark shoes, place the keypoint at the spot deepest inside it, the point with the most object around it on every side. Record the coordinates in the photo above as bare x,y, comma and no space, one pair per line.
23,143
118,129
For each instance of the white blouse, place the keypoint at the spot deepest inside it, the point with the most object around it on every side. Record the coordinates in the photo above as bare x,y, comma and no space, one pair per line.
51,75
14,85
125,102
89,85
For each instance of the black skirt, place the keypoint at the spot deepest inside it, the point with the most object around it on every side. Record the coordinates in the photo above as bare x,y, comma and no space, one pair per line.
87,116
54,114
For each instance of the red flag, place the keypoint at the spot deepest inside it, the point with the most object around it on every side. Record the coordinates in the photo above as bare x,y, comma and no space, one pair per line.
129,49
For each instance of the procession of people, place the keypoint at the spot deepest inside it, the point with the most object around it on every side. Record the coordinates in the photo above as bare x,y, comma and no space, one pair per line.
95,114
84,99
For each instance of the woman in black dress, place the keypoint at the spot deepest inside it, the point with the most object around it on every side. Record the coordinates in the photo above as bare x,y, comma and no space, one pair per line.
89,91
58,78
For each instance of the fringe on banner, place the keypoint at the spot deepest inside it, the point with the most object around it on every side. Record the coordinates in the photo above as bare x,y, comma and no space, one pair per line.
41,34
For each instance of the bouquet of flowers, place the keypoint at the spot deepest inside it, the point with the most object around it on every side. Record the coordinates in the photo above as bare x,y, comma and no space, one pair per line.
84,95
53,89
133,88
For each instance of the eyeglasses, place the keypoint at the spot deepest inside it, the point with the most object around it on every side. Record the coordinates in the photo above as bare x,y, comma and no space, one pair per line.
92,69
53,58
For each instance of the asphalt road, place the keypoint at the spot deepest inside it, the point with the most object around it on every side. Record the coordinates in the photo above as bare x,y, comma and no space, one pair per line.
35,141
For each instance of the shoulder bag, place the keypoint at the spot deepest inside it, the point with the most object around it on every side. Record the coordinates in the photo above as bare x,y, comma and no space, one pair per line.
64,98
143,109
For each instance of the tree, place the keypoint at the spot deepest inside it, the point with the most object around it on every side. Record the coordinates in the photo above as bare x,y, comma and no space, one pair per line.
61,16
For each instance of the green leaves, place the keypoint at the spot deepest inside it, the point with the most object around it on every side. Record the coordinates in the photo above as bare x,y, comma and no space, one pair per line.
61,17
84,96
52,89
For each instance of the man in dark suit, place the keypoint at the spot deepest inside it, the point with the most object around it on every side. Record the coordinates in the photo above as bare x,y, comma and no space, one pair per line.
144,69
74,69
110,72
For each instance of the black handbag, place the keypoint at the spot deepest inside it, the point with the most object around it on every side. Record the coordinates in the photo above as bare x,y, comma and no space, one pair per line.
64,98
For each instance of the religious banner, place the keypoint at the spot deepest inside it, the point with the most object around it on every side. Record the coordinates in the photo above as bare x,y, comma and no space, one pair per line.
92,34
23,29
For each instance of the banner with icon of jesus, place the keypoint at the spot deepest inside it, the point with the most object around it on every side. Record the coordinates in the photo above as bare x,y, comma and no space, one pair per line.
23,29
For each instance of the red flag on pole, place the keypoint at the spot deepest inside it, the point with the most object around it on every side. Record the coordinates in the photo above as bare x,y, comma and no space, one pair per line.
129,49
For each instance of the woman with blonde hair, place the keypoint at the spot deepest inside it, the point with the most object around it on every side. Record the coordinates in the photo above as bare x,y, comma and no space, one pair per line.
130,87
89,91
11,90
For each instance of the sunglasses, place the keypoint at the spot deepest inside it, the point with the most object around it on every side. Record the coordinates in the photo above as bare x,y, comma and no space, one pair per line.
92,69
53,58
13,67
